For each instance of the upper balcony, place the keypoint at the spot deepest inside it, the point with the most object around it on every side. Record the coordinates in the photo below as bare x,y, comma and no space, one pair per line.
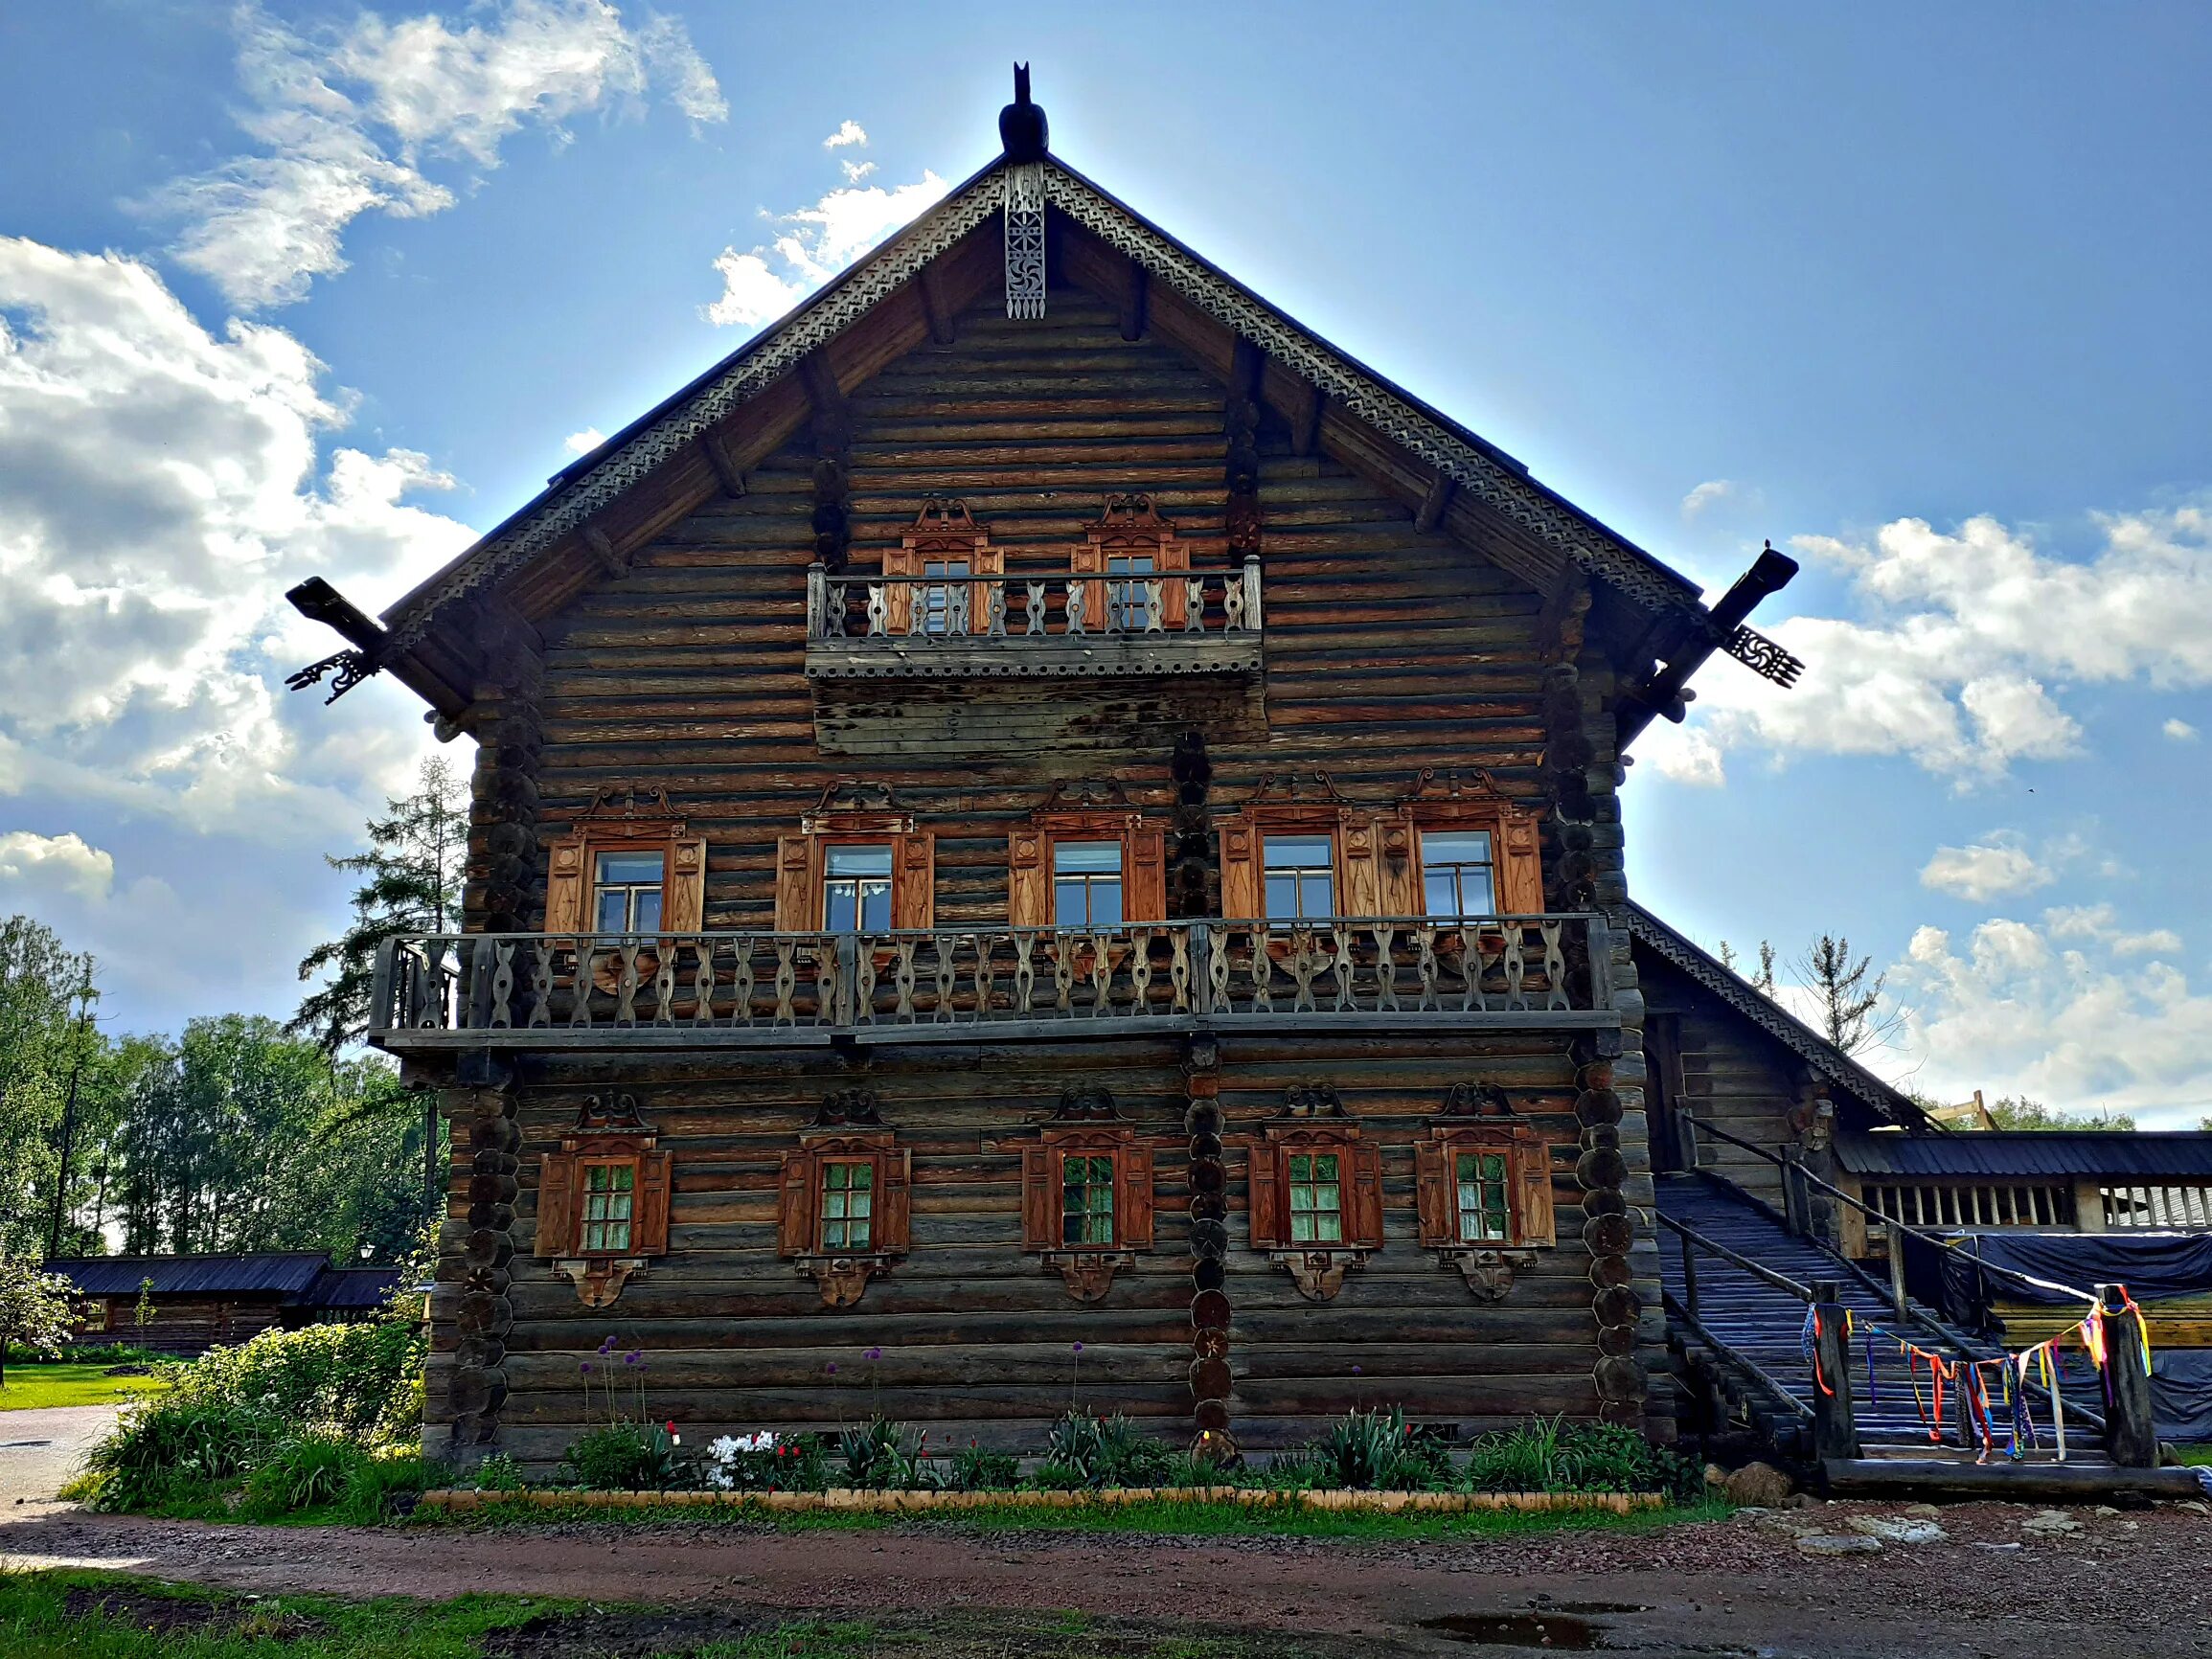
706,991
967,628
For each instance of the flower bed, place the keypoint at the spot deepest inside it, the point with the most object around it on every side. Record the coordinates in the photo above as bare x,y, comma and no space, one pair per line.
874,1501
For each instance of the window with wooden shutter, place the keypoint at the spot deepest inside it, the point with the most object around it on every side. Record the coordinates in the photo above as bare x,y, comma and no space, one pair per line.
1469,838
626,867
555,1204
844,1208
604,1199
942,541
1090,870
1295,861
1315,1188
1086,1203
1131,541
832,875
1484,1186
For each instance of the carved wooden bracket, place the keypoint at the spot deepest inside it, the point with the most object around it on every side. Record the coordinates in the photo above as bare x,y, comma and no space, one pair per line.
1489,1273
841,1277
599,1280
1089,1272
1319,1273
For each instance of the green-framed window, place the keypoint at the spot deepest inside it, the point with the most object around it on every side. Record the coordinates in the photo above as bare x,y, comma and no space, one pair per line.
1317,1198
848,1204
609,1202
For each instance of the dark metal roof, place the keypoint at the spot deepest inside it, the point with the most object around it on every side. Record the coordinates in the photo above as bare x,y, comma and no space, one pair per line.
1738,994
353,1286
283,1274
2179,1155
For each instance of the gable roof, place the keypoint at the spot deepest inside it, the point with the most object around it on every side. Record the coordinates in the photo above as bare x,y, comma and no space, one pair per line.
2152,1156
1468,462
1771,1018
282,1273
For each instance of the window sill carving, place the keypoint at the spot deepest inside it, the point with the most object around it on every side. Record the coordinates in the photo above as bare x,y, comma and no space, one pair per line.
1089,1272
843,1277
599,1279
1488,1271
1319,1271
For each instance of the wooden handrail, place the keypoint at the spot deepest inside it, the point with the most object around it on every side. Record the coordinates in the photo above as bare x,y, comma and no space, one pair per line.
1780,1280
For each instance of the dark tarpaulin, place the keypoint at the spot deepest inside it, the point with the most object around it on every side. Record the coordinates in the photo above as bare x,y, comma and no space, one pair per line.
2153,1266
2181,1393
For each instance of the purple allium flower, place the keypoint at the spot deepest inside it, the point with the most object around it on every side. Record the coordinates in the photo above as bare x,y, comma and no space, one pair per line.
874,1354
833,1368
629,1358
1356,1371
587,1367
606,1347
1079,1348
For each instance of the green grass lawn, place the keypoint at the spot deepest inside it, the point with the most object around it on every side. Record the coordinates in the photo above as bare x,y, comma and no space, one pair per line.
28,1386
108,1616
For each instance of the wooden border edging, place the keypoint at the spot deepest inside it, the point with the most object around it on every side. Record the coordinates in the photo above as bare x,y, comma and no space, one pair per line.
850,1500
1927,1477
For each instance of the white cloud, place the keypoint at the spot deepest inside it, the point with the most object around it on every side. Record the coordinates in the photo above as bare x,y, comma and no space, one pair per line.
2066,1013
851,132
1983,870
160,486
1683,753
1712,490
345,121
583,443
1963,637
817,243
2180,731
57,861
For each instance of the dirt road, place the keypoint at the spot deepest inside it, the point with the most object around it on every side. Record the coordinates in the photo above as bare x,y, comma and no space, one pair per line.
2133,1585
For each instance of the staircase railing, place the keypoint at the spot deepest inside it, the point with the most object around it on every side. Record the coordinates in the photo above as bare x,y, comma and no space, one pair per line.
1686,1307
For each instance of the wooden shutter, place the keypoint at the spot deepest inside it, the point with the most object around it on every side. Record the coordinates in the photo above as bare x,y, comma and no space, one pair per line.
684,896
1364,1195
795,1209
1398,851
796,885
1089,559
1264,1195
1144,873
555,1204
894,1198
1241,886
1520,867
898,597
1028,882
1133,1202
1036,1206
649,1235
564,889
1532,1166
913,879
1434,1200
1363,873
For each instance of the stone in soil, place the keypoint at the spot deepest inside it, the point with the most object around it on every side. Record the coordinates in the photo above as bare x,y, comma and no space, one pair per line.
1839,1544
1760,1485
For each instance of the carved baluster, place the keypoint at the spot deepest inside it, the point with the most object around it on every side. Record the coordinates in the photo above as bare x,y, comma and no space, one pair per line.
1075,607
1033,610
1024,973
1385,965
878,608
540,982
1554,966
1345,966
702,981
817,602
1232,608
946,945
1155,604
1475,966
664,986
1180,967
1218,968
1252,592
1263,969
1425,942
1304,963
742,982
863,985
834,616
625,995
586,973
1515,970
994,616
787,981
986,973
1102,971
1141,970
1194,604
1063,973
904,1011
917,608
503,984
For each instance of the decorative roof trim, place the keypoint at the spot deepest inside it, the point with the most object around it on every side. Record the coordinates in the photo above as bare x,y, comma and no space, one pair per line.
660,437
1777,1022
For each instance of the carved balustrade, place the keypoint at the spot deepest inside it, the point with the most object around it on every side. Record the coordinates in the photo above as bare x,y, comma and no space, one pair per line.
958,610
708,989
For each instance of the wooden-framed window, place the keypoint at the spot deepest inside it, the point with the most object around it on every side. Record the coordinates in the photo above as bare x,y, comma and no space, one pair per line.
1315,1188
601,1197
1290,863
845,1195
942,541
848,871
1486,1184
1131,540
627,866
1298,875
1458,872
1087,1189
1086,869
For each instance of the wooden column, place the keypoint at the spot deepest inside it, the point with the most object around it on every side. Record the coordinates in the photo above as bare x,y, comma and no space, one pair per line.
1241,435
1193,871
1835,1423
2130,1433
1620,1377
473,1269
1211,1378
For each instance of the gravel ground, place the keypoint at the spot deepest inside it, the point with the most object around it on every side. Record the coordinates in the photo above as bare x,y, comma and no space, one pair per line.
39,1450
2133,1583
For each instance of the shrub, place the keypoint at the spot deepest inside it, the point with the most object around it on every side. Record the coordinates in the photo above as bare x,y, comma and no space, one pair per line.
768,1463
310,1471
1551,1455
384,1487
1374,1450
977,1470
629,1456
500,1473
1094,1451
360,1380
171,1448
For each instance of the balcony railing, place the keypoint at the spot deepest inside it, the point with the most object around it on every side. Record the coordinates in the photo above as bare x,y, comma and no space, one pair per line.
716,989
1179,623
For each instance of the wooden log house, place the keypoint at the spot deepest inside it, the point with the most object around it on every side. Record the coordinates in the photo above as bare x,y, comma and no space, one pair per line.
1041,833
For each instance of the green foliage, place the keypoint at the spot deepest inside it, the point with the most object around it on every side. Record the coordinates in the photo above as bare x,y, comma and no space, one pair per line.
34,1308
382,1488
1087,1450
360,1380
500,1473
308,1471
1374,1450
629,1456
1552,1455
170,1448
978,1470
877,1454
2018,1112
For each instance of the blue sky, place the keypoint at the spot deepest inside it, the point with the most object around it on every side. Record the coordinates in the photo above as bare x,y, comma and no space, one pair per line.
322,288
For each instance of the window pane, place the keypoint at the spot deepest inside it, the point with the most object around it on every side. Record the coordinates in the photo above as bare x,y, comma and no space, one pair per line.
1282,896
840,907
1072,857
875,907
1129,564
614,912
1456,848
644,909
1300,851
859,861
1106,902
629,867
1316,895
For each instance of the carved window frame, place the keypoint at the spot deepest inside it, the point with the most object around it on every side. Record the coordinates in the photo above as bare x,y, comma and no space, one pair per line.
1317,1268
1129,524
843,1275
1487,1264
1031,900
801,860
1088,1268
562,1184
615,823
